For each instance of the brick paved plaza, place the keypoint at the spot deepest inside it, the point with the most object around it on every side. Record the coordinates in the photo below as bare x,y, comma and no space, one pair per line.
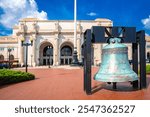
67,84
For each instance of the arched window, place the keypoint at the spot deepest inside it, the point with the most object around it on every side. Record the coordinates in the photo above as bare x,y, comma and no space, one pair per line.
45,51
11,57
1,57
66,51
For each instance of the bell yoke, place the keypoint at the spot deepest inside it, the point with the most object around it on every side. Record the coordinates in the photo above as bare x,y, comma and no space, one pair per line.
115,65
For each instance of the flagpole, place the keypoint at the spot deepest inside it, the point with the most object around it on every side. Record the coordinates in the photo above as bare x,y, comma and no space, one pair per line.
75,56
75,24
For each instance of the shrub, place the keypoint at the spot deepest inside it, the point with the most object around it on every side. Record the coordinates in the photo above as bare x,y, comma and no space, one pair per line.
10,76
147,69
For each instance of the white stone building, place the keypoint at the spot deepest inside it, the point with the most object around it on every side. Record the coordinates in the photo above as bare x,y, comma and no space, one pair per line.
58,35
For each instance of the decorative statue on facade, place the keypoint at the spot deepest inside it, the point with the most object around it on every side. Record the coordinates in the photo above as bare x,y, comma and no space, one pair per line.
22,27
35,26
79,27
57,27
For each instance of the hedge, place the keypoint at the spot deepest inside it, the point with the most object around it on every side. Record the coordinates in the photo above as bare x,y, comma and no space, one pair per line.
10,76
148,69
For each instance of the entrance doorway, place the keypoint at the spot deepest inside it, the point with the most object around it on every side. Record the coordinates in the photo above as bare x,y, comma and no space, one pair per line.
66,55
46,54
1,57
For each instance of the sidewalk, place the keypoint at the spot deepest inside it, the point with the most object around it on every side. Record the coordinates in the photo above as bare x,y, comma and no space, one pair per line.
64,84
62,66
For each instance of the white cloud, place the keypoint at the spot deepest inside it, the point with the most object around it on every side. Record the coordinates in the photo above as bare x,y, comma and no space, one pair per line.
17,9
146,22
146,34
3,33
92,14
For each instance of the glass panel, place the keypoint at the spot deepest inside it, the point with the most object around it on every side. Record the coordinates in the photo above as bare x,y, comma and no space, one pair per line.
66,51
51,61
66,61
62,61
44,61
48,50
48,61
70,61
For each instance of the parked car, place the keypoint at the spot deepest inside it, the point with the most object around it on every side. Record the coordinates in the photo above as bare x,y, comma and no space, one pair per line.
4,65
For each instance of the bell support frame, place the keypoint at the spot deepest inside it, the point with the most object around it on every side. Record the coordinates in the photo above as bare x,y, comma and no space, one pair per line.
100,34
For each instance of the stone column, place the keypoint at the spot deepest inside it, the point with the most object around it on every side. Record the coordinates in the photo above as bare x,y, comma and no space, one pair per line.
21,49
79,46
34,53
56,51
130,52
21,53
100,54
54,54
97,54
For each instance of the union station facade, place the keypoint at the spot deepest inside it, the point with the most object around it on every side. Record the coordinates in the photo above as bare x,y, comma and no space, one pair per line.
55,35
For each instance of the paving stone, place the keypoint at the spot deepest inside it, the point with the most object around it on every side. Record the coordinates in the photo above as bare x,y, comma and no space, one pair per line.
67,84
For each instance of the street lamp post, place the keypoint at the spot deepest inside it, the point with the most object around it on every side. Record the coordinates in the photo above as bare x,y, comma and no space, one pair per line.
26,44
31,59
9,50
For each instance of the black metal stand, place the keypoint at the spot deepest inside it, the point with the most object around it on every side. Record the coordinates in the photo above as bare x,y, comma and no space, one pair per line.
99,34
87,62
141,38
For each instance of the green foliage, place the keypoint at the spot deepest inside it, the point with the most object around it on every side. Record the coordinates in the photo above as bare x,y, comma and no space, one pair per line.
147,69
10,76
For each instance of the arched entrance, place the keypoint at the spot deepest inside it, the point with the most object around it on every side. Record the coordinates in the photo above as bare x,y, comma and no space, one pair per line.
11,57
66,53
46,54
1,57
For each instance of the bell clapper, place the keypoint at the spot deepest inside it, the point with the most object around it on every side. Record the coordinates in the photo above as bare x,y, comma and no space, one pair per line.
114,85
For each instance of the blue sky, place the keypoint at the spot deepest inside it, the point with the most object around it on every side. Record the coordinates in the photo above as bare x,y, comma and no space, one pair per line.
121,12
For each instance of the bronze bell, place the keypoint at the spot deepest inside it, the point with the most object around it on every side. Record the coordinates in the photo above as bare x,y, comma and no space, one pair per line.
115,65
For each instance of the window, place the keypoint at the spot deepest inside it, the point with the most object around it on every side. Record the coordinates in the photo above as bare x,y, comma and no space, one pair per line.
1,48
12,49
45,53
66,51
11,57
148,46
1,57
